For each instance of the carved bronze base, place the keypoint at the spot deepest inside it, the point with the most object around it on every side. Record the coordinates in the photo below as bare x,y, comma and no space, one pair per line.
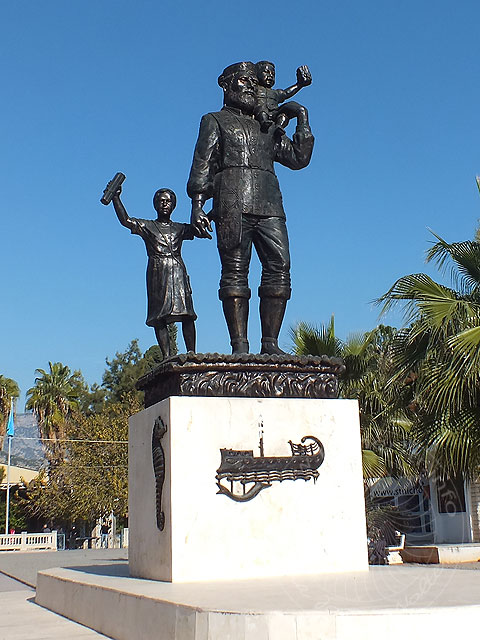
243,376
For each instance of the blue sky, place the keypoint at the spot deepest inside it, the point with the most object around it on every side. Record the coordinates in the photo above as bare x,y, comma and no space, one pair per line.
93,87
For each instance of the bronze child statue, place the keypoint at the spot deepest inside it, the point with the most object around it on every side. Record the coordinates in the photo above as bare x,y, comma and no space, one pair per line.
267,110
169,293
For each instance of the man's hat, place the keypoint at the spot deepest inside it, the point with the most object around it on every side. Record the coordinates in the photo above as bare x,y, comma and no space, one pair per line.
235,68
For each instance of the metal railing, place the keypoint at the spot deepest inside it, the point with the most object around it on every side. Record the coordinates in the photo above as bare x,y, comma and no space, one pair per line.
28,541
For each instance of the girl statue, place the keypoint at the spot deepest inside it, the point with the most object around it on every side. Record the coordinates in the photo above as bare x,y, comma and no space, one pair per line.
168,286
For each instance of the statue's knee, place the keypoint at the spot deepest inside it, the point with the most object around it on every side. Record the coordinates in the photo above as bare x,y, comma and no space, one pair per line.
235,291
282,290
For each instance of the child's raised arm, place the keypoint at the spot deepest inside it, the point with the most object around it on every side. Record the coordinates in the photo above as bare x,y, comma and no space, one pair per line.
304,78
120,210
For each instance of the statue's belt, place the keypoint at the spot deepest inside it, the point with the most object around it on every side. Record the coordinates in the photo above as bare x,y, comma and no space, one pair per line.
247,167
160,257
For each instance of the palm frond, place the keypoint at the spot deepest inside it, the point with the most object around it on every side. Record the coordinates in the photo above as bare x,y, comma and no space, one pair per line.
372,464
465,270
418,292
316,341
466,349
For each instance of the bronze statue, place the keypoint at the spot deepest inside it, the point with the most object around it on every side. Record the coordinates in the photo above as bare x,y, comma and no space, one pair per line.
168,286
233,164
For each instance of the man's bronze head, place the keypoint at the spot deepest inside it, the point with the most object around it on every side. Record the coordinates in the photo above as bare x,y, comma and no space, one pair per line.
238,82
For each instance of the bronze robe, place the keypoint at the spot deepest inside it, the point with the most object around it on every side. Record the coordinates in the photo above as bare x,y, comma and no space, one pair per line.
169,293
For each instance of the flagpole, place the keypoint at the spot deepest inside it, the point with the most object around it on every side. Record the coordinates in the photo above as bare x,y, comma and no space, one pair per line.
10,433
7,506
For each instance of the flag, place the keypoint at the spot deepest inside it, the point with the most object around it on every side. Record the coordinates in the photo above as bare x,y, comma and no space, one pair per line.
10,425
478,182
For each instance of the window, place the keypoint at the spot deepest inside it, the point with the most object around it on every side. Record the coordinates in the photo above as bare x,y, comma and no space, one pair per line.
451,496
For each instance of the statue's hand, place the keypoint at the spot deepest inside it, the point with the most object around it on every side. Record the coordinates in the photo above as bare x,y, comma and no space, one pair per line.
304,77
117,192
200,222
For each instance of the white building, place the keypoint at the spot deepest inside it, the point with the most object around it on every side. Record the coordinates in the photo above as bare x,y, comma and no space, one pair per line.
436,511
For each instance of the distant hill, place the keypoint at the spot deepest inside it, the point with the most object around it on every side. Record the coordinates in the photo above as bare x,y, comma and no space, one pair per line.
27,449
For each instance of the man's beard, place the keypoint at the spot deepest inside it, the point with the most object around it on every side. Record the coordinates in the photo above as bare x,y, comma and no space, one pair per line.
240,100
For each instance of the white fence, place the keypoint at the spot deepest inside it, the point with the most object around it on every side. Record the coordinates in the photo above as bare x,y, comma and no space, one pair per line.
28,541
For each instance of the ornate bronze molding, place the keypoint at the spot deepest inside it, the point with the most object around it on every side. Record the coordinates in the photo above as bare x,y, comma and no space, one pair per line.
243,375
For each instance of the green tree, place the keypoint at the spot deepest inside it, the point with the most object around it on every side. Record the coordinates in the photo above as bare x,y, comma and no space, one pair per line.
384,422
17,514
52,399
438,355
124,370
99,469
8,390
86,479
92,479
308,339
92,399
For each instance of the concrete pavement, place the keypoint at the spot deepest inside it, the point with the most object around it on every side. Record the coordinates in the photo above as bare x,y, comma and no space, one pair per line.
23,566
22,619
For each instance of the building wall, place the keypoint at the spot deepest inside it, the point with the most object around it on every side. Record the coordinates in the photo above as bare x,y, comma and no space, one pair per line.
450,511
450,516
17,474
475,509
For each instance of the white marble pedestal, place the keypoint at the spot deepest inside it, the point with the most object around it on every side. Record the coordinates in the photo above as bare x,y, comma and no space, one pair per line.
387,602
290,528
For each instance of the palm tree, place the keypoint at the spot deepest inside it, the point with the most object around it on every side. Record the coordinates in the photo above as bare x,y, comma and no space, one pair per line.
310,340
8,390
438,355
384,422
52,399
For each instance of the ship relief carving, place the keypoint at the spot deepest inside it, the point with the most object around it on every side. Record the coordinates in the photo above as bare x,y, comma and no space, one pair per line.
158,458
241,476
